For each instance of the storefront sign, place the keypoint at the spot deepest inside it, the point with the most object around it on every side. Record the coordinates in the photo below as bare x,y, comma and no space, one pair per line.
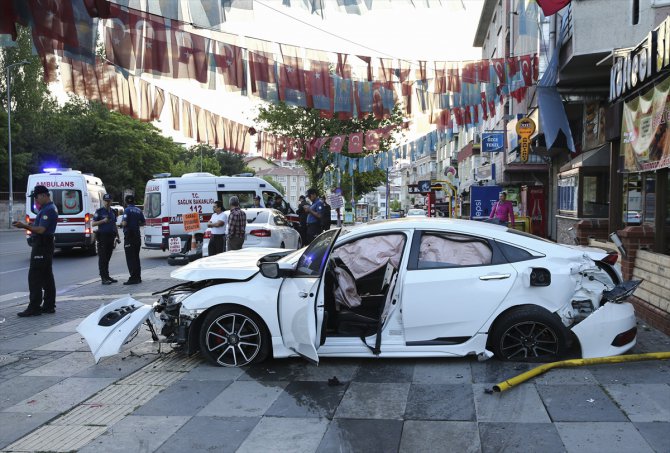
632,67
645,138
493,142
525,128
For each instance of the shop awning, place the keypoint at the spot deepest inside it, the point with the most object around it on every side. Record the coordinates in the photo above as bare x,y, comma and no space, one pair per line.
598,157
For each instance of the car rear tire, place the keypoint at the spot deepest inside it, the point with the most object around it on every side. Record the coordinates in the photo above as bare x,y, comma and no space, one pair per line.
234,337
529,334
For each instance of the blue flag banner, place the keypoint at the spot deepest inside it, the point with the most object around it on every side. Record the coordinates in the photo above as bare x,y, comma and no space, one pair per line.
365,96
388,101
342,102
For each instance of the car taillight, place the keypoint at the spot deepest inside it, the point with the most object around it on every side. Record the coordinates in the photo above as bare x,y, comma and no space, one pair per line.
611,258
28,232
625,337
261,233
165,226
208,234
87,224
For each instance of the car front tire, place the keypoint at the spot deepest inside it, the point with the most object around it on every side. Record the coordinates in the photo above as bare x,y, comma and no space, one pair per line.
529,334
234,337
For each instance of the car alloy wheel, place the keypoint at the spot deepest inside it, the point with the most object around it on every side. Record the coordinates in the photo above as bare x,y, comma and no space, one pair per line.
233,338
529,334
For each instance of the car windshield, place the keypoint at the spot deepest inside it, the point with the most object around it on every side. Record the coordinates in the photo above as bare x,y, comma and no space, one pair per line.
313,259
257,217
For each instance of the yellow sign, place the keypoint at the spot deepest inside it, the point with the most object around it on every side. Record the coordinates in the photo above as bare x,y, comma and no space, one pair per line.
525,128
191,221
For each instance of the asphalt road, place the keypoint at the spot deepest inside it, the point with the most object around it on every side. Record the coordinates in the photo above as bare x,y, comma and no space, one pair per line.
70,268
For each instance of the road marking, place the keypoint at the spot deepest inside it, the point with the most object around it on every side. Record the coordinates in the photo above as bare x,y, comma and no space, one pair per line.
15,270
11,296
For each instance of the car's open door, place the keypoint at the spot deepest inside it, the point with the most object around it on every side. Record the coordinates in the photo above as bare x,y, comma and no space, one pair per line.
300,316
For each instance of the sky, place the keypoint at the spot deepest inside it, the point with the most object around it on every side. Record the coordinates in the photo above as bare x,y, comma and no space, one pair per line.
399,31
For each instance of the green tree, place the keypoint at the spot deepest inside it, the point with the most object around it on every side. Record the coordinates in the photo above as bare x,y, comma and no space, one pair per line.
228,163
395,205
30,102
306,124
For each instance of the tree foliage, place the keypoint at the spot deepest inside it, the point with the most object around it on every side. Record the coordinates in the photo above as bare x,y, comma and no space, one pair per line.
275,184
306,123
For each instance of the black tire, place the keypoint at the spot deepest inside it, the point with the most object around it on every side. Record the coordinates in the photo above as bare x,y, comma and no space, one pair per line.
528,334
221,334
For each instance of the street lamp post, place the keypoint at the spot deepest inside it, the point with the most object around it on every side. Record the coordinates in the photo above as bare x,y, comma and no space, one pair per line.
9,137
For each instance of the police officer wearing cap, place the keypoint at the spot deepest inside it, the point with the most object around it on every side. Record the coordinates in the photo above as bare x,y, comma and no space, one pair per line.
41,282
133,219
105,219
279,205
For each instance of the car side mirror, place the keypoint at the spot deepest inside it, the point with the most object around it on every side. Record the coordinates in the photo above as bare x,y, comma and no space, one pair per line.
269,270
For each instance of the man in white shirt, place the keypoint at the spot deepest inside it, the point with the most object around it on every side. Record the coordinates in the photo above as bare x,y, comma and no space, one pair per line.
217,225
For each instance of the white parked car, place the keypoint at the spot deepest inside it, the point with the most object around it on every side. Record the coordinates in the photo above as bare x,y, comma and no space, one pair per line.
409,288
416,212
265,228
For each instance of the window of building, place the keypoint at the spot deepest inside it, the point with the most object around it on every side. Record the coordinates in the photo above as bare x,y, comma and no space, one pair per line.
632,199
635,16
649,208
568,190
595,195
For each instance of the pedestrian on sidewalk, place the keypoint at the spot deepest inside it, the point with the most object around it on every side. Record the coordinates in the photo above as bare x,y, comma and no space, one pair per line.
502,211
302,211
41,282
217,226
133,219
237,222
105,219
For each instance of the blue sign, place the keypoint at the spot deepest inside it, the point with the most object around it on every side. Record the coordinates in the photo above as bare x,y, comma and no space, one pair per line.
493,142
482,199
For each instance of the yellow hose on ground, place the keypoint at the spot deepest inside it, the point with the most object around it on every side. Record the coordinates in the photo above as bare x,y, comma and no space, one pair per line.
516,380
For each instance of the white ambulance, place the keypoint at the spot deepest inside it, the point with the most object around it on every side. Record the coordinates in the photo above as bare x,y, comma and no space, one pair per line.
167,199
77,196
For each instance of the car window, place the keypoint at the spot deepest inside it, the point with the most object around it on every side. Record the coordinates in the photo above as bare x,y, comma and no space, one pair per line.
313,259
67,201
438,250
514,254
280,220
259,217
246,198
153,203
366,255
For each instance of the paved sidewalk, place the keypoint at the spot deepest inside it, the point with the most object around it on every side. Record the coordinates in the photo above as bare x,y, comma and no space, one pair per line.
54,398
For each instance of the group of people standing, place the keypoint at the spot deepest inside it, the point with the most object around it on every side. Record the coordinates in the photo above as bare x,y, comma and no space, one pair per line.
227,228
41,283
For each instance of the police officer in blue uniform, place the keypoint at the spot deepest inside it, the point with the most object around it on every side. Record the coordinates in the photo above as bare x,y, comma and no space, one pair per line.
314,216
41,282
133,219
105,219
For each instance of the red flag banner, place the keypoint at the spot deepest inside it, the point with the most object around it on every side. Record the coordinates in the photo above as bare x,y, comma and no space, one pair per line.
292,77
550,7
149,38
186,121
54,19
372,139
229,60
189,56
263,81
336,143
355,143
499,66
174,108
159,102
118,41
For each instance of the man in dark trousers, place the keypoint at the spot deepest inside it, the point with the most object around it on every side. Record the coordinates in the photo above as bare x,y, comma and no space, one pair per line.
41,282
302,211
133,219
105,219
325,215
237,222
314,215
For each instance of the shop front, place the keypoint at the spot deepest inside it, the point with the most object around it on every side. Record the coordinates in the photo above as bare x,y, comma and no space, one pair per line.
640,183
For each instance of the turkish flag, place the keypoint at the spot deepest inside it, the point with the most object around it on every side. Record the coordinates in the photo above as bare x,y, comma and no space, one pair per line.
318,85
355,143
525,62
228,59
484,72
261,66
189,56
550,7
513,65
292,81
372,139
55,20
118,40
149,37
336,143
97,8
499,66
485,114
453,80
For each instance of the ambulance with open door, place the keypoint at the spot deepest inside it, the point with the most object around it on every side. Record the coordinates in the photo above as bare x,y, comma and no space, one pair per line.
77,196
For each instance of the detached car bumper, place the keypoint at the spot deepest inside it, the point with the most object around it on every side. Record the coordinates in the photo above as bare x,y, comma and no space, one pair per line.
610,330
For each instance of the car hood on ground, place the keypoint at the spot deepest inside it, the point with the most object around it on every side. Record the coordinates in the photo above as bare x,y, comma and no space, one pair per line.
233,265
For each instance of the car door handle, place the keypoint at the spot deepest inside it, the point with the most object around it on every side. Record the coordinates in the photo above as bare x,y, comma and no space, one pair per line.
302,294
494,276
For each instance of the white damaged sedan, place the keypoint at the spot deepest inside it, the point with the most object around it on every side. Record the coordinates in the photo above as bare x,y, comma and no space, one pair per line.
414,287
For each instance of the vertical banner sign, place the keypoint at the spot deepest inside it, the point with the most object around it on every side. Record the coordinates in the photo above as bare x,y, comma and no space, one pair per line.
525,127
